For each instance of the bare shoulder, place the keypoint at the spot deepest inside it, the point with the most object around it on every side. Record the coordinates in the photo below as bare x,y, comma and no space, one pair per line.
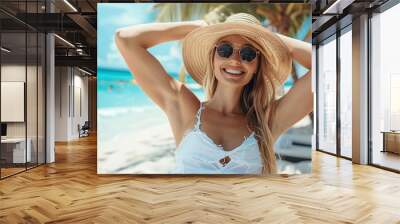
181,114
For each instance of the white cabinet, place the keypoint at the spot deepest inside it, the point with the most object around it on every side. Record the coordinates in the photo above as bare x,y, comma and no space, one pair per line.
18,149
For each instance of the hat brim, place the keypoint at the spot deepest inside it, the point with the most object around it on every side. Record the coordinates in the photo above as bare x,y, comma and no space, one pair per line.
198,44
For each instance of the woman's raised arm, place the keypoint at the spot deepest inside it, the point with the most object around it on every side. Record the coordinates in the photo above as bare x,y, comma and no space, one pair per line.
298,102
133,43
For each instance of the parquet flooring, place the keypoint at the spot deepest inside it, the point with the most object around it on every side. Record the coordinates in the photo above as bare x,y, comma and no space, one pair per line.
70,191
10,171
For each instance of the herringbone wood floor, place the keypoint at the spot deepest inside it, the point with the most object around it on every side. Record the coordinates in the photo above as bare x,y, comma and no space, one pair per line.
70,191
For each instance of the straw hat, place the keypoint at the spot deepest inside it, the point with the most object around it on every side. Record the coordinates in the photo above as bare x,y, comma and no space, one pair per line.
199,43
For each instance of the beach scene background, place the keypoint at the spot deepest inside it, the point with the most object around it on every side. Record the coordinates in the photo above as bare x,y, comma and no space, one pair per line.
134,136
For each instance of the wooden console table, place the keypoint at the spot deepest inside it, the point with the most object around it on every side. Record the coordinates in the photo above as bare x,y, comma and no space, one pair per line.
391,141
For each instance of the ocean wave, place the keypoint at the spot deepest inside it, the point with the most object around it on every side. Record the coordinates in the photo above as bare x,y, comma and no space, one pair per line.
194,86
117,111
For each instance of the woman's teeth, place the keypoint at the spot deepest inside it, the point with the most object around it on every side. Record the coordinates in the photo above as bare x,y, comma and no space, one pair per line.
233,71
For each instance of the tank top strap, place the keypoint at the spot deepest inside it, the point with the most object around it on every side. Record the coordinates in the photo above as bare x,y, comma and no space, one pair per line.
198,116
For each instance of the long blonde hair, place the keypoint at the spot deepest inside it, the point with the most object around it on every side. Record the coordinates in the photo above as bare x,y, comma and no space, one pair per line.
256,101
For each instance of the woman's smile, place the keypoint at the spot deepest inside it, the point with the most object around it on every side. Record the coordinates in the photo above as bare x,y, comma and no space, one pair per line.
233,71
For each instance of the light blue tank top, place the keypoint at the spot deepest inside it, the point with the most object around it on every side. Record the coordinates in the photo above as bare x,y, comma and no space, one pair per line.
198,154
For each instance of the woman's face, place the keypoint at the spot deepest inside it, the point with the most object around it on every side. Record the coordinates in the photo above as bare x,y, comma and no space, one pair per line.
235,69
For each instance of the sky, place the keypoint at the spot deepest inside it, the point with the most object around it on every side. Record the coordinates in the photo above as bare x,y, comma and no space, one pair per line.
112,16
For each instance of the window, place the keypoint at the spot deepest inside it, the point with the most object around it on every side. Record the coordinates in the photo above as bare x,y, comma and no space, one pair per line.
346,93
327,96
385,89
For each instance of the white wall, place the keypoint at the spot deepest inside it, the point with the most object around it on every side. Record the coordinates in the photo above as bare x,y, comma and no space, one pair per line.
81,89
70,84
61,103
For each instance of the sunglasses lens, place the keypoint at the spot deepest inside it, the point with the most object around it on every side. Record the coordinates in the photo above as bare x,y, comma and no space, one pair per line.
224,50
248,54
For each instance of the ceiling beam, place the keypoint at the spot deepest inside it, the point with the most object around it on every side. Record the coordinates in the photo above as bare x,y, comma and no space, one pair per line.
82,61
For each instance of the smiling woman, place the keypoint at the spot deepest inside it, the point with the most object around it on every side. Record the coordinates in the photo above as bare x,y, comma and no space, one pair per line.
240,64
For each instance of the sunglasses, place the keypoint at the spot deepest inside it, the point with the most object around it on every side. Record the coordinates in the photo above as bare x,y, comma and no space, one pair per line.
247,53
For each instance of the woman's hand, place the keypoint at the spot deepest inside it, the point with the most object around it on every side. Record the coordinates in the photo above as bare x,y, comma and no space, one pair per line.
300,50
201,23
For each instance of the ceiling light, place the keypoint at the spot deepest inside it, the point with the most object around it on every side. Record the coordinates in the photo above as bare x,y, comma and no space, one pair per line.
64,40
79,51
337,7
84,71
70,5
5,50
